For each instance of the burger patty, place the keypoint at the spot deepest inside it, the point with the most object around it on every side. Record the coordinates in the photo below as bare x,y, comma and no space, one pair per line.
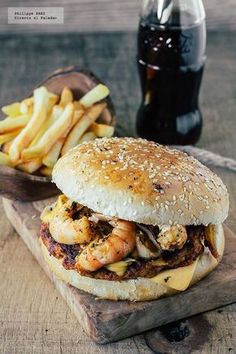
140,267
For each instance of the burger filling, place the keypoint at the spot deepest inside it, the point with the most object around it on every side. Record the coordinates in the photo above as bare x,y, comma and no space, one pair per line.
108,248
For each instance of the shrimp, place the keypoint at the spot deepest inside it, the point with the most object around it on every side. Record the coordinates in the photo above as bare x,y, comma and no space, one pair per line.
112,248
66,230
172,237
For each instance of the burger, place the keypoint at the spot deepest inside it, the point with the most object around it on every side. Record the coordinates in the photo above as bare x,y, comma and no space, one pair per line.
136,220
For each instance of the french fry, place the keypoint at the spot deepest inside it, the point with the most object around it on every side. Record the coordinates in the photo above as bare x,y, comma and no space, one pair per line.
40,133
87,137
78,113
55,114
78,106
30,166
53,99
106,115
27,105
75,118
41,99
9,124
80,128
46,171
102,130
4,138
66,97
58,128
52,156
5,160
6,146
12,110
95,95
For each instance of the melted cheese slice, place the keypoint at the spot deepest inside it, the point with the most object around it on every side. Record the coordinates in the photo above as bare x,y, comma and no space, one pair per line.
179,278
119,267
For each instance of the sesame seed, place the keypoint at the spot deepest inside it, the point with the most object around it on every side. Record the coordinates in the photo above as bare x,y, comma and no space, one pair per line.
150,164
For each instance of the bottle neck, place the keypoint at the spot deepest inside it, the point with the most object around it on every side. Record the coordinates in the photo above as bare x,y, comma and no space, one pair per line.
178,13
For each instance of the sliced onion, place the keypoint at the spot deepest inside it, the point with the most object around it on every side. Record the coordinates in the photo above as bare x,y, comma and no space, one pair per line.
144,251
101,217
93,218
149,234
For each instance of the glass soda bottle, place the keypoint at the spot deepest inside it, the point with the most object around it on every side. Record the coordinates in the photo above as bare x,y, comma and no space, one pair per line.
171,58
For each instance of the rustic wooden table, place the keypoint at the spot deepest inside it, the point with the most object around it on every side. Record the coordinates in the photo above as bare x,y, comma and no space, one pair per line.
34,318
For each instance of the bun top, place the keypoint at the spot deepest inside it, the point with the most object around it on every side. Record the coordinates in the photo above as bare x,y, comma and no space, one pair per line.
139,180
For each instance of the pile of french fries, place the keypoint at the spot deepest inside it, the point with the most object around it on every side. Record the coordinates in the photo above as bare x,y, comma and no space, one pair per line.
41,128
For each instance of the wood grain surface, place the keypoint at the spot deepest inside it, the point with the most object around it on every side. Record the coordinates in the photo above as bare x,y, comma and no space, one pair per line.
33,316
108,321
107,15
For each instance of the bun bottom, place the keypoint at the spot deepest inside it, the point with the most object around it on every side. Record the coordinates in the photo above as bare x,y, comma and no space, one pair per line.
140,289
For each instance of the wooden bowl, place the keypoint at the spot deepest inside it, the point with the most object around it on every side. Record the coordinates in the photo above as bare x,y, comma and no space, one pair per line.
19,185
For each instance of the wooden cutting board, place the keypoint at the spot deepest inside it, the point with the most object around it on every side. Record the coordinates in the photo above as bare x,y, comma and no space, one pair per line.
106,321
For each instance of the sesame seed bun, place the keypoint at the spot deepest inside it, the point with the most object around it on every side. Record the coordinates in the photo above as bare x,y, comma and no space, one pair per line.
138,289
141,181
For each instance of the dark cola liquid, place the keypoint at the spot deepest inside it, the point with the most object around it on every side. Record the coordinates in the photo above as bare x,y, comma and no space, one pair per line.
170,61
